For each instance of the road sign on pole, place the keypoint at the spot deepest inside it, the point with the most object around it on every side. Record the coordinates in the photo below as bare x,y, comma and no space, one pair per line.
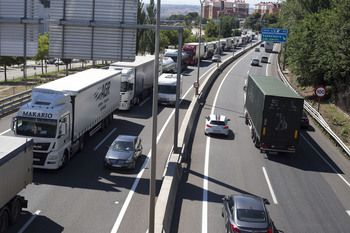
274,34
320,91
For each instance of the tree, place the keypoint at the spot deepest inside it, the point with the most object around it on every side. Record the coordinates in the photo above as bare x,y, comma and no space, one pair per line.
10,61
141,43
43,50
211,29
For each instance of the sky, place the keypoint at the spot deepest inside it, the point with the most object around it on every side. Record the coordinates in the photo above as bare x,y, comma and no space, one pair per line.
195,2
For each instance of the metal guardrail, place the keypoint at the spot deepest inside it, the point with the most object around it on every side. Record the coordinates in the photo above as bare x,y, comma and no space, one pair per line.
314,113
13,102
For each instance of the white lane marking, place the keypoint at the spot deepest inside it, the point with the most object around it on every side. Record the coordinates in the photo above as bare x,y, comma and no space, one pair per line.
206,159
29,221
5,132
345,181
348,211
270,186
143,102
105,139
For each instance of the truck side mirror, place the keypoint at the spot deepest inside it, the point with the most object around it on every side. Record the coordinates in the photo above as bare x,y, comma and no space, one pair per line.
13,123
245,88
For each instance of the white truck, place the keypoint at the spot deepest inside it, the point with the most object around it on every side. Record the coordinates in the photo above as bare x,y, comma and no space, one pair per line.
16,172
167,84
62,112
208,50
136,81
268,46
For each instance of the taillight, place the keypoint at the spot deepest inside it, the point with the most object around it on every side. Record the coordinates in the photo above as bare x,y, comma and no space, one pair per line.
263,145
234,228
269,230
208,125
226,127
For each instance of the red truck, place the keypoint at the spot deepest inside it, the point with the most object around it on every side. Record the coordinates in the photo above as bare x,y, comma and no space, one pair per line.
193,52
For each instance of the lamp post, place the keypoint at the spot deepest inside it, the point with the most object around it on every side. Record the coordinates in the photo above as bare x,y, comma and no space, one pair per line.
199,46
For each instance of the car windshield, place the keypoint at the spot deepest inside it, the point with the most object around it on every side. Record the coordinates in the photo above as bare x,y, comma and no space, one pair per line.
122,145
217,123
249,215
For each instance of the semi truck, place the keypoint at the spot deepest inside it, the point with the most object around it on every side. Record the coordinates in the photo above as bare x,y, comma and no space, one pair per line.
16,172
63,112
268,46
172,53
167,84
273,112
194,52
208,50
136,80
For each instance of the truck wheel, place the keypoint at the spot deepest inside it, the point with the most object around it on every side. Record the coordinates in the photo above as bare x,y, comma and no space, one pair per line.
4,220
15,210
65,159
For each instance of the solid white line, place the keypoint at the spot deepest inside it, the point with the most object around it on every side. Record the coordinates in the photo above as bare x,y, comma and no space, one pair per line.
345,181
206,159
270,186
5,131
348,211
29,221
104,139
143,102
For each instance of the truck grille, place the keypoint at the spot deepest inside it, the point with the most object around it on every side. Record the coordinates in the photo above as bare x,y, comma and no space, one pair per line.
39,158
41,146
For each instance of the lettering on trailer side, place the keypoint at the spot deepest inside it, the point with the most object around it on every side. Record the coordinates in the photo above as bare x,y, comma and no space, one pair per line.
101,94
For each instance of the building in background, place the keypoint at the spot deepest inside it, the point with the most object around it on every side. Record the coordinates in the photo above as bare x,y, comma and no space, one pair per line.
211,8
267,7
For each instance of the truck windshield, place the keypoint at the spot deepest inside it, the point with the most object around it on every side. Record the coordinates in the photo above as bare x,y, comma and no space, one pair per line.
124,87
34,127
167,89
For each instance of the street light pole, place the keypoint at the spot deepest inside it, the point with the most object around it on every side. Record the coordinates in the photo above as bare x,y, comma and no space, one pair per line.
199,46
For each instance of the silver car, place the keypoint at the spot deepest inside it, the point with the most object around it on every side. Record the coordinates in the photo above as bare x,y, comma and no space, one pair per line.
124,152
216,124
246,213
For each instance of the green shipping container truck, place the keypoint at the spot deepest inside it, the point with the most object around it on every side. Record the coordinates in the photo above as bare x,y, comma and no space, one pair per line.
273,112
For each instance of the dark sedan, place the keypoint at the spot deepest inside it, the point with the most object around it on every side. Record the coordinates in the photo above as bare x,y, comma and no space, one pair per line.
124,152
246,213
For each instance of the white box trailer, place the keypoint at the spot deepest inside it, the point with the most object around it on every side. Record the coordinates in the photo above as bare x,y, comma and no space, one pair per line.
16,172
62,112
136,81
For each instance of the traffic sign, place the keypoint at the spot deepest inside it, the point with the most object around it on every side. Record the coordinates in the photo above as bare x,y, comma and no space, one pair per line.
195,84
320,91
274,34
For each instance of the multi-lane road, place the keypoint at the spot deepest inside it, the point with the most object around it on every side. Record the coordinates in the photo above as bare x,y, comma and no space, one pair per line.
86,197
309,191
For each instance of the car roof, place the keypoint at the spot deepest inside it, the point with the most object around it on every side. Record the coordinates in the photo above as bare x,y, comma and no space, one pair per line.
248,202
126,138
217,117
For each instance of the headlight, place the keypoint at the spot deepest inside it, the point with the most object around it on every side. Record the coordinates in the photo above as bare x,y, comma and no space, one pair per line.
53,157
129,160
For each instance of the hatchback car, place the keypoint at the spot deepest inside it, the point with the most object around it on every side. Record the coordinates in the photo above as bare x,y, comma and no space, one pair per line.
246,213
264,59
216,124
124,152
304,121
216,58
255,62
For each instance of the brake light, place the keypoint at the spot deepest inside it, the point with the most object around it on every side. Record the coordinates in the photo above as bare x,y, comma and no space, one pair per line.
226,127
263,145
269,230
208,125
234,228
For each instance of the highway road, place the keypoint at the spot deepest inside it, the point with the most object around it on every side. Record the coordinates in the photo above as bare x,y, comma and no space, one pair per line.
86,197
309,191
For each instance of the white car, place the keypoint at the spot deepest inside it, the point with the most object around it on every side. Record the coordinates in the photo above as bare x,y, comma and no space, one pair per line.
255,62
59,62
216,124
